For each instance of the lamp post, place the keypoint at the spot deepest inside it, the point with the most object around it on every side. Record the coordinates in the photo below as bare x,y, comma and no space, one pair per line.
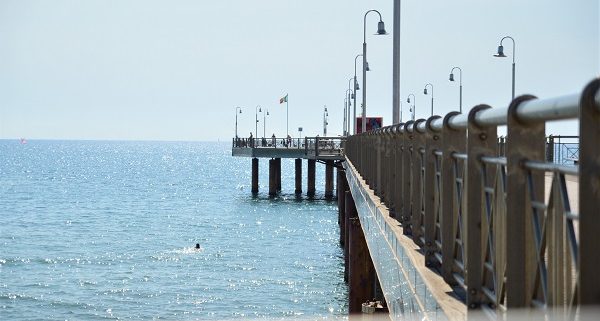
265,122
502,55
425,93
413,108
345,114
460,85
256,118
380,31
356,87
325,123
351,96
236,115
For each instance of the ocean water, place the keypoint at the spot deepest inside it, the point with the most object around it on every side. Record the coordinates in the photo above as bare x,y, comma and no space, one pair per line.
106,230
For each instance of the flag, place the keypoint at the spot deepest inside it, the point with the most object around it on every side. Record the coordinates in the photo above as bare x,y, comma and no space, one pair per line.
283,99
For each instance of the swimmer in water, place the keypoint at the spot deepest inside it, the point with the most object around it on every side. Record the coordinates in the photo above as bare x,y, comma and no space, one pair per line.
197,246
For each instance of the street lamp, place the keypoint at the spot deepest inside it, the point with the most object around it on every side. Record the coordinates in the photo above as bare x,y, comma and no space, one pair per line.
502,55
460,82
325,123
256,118
380,31
236,115
356,87
265,123
425,93
344,124
349,97
413,108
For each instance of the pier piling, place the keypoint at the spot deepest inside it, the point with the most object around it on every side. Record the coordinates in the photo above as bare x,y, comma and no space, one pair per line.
254,175
311,178
272,177
298,176
278,174
361,271
329,179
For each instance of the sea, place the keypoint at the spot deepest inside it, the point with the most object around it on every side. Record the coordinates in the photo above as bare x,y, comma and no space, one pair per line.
103,230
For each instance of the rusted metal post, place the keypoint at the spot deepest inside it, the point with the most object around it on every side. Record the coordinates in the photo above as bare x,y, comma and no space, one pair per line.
525,142
254,175
310,188
328,178
361,272
298,176
342,187
454,141
589,196
350,212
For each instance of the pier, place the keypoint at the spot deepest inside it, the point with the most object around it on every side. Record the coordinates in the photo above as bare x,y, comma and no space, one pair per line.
441,219
327,150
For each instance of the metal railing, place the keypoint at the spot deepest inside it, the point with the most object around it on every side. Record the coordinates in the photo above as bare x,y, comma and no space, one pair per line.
272,142
324,146
478,207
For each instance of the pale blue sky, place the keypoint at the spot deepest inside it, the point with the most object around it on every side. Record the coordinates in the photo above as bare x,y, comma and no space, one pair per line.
175,70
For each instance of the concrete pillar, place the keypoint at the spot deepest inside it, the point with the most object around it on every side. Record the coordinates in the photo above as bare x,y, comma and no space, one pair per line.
329,179
278,173
298,165
311,177
361,272
272,177
254,175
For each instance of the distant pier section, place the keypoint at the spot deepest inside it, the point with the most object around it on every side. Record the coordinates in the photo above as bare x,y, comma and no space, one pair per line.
327,150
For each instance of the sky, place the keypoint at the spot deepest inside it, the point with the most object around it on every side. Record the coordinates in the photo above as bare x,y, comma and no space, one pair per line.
176,70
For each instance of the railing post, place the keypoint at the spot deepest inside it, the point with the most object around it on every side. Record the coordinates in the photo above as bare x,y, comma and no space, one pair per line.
433,141
418,142
480,142
378,163
589,196
406,179
399,170
454,141
525,142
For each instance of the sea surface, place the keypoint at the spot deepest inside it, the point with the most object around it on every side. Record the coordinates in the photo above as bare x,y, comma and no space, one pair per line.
96,230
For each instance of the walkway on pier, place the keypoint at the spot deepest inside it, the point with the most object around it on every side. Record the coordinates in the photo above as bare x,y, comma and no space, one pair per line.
456,225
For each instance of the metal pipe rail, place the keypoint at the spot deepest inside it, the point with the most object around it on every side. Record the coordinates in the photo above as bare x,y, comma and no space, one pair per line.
476,205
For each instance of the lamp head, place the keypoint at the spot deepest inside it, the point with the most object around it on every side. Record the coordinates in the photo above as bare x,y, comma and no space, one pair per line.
381,28
268,113
357,87
500,52
240,110
451,77
351,97
408,100
367,66
259,110
425,91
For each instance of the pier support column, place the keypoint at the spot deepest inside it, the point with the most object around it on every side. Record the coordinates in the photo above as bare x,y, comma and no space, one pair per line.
298,165
254,175
349,211
361,272
272,177
278,174
342,187
311,177
328,179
